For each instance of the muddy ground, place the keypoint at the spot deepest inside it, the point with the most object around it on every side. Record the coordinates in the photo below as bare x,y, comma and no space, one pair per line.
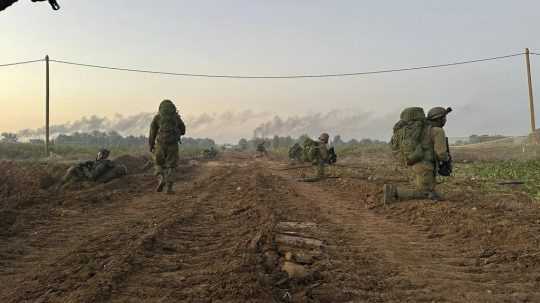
243,229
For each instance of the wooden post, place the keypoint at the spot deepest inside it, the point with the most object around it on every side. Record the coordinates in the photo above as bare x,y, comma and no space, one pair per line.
531,101
47,105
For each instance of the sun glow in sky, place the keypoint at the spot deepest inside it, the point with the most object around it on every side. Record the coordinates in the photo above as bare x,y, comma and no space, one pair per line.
270,38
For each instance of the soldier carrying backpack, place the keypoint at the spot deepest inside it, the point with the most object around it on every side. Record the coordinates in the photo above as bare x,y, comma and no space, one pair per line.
317,153
165,132
420,143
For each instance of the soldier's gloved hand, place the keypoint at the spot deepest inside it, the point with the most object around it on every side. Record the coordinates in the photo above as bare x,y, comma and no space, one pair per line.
152,148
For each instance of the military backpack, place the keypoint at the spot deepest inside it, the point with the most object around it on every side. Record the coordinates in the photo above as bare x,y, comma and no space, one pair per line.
408,135
310,150
168,132
295,152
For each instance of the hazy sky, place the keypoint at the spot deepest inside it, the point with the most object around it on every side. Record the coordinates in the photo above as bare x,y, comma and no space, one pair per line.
271,38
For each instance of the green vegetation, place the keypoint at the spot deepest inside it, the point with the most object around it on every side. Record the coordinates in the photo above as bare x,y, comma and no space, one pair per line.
29,151
492,172
473,139
79,146
362,148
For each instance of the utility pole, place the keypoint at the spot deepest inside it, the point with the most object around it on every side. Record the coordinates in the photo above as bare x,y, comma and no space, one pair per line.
531,101
47,105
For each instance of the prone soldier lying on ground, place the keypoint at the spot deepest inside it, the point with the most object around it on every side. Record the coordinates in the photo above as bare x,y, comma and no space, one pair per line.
101,170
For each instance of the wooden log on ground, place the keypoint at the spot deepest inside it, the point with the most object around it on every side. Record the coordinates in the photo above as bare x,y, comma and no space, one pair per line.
298,241
285,225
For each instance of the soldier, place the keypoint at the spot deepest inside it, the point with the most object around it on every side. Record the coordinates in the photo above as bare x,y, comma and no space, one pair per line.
434,157
317,153
322,154
100,170
295,153
210,153
165,132
261,149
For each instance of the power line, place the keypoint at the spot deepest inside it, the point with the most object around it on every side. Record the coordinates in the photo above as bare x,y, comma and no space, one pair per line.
19,63
273,77
289,76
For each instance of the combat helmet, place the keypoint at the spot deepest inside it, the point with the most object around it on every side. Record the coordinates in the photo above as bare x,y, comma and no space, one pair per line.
103,154
324,137
438,112
167,106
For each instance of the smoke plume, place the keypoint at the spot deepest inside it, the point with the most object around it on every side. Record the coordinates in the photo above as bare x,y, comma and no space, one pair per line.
348,124
224,127
230,126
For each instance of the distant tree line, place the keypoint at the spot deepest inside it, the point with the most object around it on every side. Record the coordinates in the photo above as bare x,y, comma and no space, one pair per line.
479,139
106,139
278,142
114,139
9,138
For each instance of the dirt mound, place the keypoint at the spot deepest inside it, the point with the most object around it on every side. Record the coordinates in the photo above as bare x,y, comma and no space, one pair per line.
134,164
20,178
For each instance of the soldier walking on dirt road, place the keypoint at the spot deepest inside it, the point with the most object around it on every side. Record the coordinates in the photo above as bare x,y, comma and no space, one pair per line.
423,146
165,132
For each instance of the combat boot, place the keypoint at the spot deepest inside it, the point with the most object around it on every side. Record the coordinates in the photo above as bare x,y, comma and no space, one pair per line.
161,184
389,193
170,188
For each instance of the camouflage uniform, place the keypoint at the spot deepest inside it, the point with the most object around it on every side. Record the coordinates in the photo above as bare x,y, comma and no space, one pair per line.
100,170
210,153
316,152
322,159
165,153
261,149
295,153
425,172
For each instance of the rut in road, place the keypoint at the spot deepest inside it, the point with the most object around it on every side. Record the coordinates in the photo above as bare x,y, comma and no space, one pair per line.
423,268
203,255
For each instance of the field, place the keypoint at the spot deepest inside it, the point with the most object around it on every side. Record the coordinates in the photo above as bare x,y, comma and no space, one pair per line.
242,228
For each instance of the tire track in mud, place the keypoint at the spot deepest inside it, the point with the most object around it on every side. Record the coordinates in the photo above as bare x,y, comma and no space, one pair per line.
412,265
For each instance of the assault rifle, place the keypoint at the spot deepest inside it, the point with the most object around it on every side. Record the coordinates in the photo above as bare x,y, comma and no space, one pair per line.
332,156
445,167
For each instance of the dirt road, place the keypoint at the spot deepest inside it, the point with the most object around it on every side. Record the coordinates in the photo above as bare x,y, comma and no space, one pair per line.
237,230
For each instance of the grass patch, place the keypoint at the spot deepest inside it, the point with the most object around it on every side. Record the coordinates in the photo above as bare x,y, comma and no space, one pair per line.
491,172
359,149
28,151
